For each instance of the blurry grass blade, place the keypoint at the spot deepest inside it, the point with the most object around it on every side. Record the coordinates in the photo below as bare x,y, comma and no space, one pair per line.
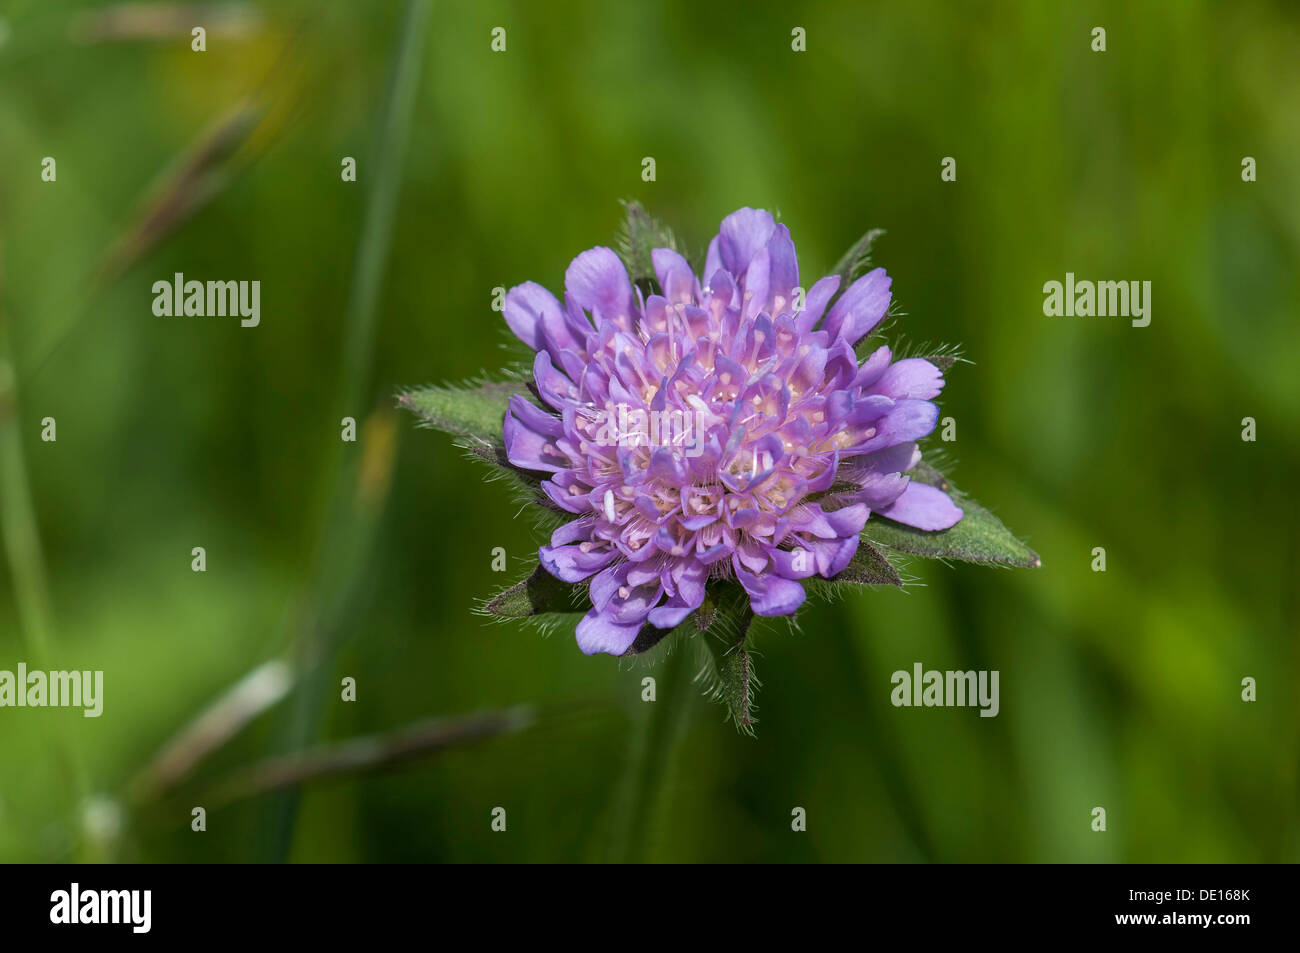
980,537
373,753
539,594
164,21
22,540
186,186
257,691
381,201
18,521
652,754
26,561
349,530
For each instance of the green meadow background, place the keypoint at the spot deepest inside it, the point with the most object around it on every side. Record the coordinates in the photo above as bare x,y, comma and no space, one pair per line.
476,169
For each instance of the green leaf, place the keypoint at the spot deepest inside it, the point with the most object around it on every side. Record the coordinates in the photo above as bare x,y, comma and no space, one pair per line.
476,415
478,411
869,567
857,260
539,594
639,236
979,537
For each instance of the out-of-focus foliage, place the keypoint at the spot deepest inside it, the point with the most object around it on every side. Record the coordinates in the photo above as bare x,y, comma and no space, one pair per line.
1119,689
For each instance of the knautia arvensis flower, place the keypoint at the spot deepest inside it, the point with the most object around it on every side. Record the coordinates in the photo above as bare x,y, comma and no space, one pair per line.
723,429
711,445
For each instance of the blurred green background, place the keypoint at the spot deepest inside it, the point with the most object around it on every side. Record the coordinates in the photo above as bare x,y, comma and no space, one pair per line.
1119,689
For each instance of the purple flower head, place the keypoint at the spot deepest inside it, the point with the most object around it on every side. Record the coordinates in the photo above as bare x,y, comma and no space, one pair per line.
716,430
